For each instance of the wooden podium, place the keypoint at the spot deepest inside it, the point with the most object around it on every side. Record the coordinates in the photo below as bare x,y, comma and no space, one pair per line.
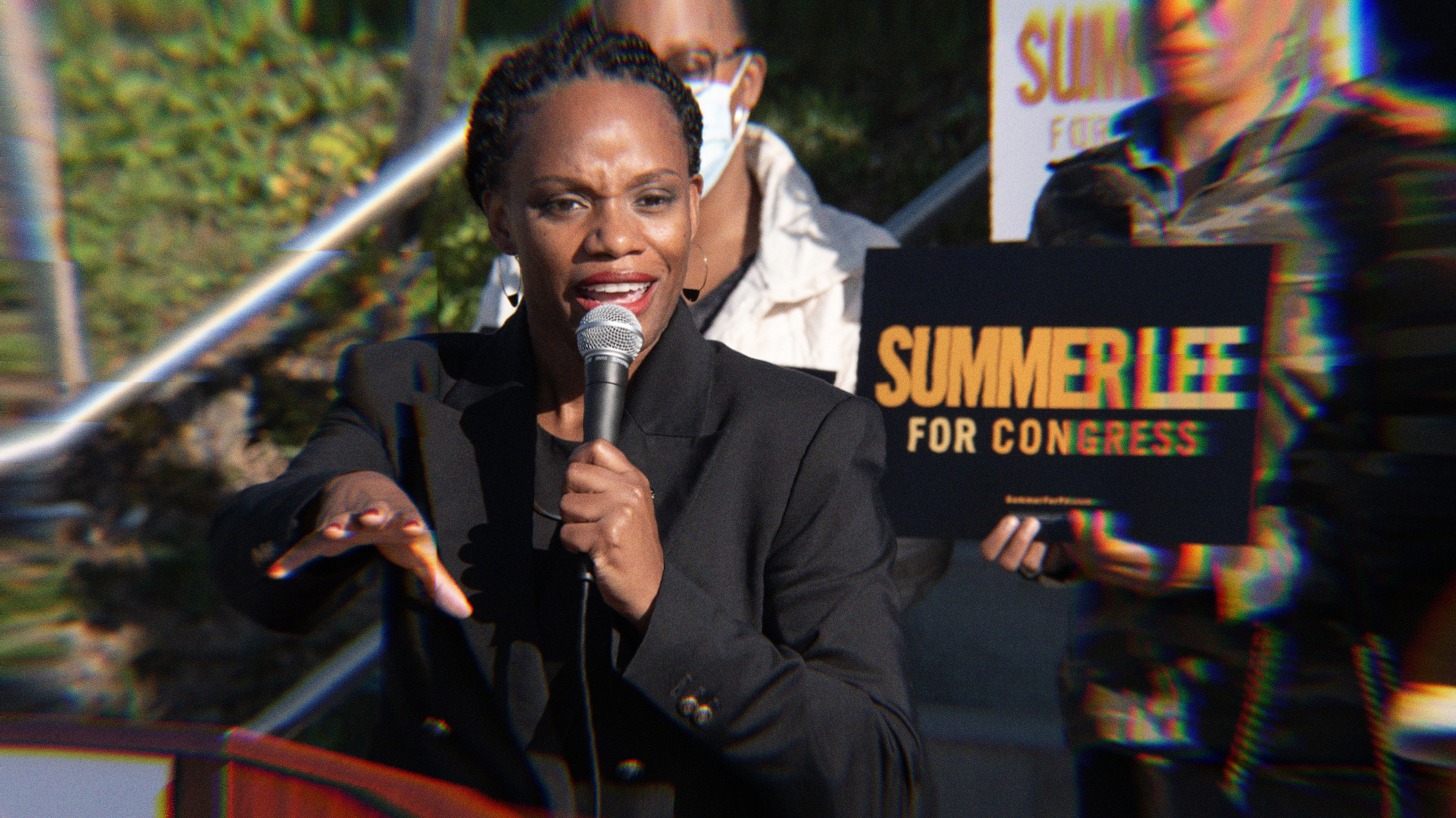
76,768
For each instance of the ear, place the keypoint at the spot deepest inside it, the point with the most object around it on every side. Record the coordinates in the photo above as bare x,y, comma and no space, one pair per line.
493,202
750,87
695,198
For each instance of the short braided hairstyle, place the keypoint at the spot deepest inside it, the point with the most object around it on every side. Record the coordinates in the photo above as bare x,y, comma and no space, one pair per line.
578,49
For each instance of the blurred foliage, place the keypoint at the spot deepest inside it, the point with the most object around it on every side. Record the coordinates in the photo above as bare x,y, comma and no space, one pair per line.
189,156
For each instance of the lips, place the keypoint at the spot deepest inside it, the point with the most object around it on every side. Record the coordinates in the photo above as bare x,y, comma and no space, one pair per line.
630,290
1178,54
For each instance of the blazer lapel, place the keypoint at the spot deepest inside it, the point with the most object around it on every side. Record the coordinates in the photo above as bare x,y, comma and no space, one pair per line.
477,447
667,431
451,478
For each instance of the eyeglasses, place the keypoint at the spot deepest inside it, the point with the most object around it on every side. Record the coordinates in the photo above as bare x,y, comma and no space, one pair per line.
697,65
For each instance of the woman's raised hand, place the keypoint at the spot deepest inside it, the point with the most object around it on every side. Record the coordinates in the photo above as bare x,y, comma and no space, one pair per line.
607,515
367,508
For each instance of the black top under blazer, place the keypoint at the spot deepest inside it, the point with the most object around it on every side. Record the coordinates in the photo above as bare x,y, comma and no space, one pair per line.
769,681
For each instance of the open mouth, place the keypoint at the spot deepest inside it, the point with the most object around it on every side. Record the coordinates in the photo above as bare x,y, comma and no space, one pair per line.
633,293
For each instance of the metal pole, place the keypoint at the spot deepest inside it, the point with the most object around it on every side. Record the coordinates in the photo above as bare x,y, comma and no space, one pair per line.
30,195
322,687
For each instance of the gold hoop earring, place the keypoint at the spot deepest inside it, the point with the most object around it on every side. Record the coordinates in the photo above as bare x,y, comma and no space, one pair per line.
693,293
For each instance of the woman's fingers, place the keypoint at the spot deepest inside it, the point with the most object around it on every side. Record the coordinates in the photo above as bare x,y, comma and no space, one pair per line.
995,542
601,453
368,508
306,550
607,514
343,532
420,557
580,538
1034,561
1011,542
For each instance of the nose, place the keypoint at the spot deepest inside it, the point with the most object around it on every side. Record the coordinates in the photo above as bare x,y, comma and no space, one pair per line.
1167,16
615,231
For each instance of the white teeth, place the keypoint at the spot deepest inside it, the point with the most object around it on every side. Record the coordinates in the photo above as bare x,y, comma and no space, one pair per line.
622,287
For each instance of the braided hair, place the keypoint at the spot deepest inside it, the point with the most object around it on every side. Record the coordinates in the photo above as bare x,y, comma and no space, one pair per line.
577,50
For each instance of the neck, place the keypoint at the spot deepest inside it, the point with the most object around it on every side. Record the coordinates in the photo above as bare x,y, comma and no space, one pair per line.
728,219
561,381
560,384
1194,132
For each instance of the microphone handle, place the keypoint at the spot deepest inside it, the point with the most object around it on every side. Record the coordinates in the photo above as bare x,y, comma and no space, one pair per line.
606,397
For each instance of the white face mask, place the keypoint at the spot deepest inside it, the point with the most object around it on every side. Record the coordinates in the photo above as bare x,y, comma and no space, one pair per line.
722,128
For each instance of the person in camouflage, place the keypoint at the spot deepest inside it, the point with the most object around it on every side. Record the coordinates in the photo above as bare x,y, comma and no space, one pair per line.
1214,671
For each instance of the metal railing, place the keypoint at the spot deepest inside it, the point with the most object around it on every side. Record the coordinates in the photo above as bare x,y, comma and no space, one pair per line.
922,214
400,183
323,687
331,681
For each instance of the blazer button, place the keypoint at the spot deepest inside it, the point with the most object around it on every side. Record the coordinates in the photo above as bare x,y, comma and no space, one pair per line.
703,715
629,770
687,706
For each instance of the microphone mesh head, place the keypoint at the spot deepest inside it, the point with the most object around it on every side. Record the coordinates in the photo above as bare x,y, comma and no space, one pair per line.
609,329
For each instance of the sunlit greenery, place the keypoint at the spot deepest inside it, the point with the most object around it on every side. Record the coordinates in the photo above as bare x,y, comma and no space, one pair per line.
190,156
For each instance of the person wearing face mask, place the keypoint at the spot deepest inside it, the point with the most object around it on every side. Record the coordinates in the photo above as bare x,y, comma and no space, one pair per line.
778,273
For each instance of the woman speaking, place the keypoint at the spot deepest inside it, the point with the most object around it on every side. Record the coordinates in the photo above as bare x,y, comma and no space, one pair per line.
734,648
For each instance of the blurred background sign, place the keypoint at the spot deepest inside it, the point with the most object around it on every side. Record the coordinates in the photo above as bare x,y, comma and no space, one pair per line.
1061,71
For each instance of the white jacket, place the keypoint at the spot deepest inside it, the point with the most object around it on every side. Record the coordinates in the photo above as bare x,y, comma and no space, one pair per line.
798,303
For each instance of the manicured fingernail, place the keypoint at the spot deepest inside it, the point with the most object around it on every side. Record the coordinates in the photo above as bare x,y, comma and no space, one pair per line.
277,571
413,526
455,604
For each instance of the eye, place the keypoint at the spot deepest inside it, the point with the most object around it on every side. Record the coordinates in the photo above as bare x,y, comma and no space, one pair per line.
561,205
656,199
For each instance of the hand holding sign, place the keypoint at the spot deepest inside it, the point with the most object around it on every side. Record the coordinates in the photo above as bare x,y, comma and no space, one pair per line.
1096,550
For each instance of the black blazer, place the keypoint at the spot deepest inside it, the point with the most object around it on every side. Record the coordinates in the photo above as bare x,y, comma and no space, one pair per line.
769,680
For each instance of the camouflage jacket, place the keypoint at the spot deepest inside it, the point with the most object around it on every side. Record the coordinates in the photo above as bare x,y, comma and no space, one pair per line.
1357,441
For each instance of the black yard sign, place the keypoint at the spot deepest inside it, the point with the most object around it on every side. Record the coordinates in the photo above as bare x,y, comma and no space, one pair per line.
1028,380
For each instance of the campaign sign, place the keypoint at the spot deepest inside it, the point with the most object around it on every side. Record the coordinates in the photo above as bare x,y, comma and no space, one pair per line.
1027,380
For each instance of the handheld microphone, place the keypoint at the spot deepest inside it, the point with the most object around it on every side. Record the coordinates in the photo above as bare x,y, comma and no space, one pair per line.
608,338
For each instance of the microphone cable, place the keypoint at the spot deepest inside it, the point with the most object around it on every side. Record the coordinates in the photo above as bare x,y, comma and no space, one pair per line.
584,574
586,704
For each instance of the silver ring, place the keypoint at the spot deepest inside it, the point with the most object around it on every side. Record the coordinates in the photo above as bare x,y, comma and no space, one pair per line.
1024,573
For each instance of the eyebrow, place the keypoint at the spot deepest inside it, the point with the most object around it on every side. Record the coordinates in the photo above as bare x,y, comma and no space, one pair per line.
637,181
